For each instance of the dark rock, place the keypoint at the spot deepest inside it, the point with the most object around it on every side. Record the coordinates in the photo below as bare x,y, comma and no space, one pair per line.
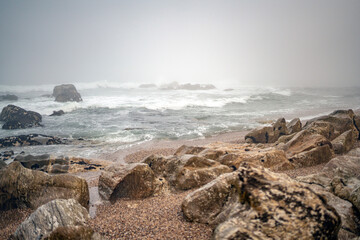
16,117
57,113
22,187
254,203
30,140
66,93
268,134
8,97
56,164
56,218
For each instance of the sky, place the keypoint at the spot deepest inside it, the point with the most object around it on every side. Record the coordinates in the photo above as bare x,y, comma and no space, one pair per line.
228,43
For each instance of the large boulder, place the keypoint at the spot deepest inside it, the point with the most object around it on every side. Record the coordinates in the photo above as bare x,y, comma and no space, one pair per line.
22,187
134,181
66,93
59,164
254,203
294,126
16,117
30,140
54,217
341,120
308,149
268,134
57,113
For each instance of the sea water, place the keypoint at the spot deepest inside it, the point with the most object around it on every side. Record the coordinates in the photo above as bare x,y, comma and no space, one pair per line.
114,117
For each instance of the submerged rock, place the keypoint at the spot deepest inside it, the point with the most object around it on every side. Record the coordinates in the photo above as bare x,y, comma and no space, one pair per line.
254,203
16,117
8,97
66,93
268,134
30,140
59,217
22,187
57,113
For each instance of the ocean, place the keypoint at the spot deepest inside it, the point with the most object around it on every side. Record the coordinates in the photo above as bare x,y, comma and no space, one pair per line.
116,117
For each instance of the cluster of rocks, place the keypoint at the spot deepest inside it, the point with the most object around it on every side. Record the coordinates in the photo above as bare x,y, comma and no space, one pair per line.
59,164
242,198
61,203
30,140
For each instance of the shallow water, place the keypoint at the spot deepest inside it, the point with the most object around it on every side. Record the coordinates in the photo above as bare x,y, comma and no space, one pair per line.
112,118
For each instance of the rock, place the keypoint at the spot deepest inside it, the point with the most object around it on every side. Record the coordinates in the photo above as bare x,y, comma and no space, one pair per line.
341,120
323,128
357,124
66,93
6,155
308,149
8,97
285,138
268,134
198,171
57,113
344,142
294,126
59,164
188,150
350,227
16,117
134,181
2,164
22,187
30,140
53,219
74,232
348,189
254,203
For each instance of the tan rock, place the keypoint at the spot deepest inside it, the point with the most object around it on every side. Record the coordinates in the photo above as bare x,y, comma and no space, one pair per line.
197,172
132,181
294,126
269,206
344,142
268,134
59,213
22,187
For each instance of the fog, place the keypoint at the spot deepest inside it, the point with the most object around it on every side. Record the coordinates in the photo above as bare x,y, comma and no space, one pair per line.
226,43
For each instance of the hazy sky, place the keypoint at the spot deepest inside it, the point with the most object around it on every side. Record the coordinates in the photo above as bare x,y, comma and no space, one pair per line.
229,43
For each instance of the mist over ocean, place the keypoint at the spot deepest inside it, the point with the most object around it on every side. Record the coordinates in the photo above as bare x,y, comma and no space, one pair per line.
113,117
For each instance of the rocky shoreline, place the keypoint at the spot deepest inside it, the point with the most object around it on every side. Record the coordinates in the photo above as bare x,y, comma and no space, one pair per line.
286,181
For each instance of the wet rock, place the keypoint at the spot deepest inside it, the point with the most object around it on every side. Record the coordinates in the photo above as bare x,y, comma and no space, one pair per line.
59,217
8,97
134,181
308,149
266,206
59,164
294,126
344,142
16,118
268,134
30,140
66,93
22,187
57,113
